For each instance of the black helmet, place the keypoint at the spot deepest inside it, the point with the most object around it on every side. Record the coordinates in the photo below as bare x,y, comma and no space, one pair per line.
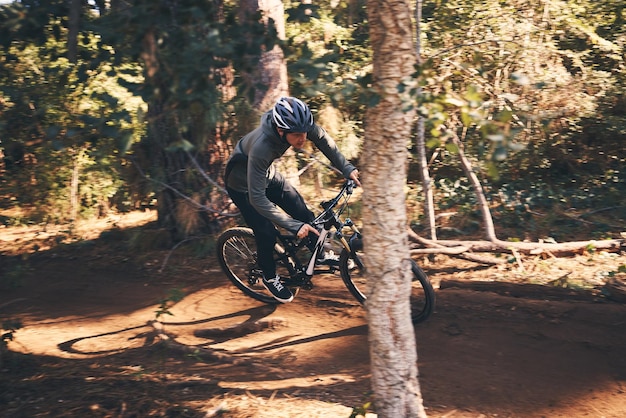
292,115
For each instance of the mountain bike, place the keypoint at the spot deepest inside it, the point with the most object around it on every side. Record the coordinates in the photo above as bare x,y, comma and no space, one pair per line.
297,263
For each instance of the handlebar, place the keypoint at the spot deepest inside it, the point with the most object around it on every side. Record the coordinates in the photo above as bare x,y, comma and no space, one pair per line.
347,188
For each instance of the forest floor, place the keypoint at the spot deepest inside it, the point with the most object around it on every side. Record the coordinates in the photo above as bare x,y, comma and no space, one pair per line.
88,346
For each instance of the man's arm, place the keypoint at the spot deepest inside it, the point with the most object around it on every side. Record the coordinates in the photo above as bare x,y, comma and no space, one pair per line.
257,182
327,145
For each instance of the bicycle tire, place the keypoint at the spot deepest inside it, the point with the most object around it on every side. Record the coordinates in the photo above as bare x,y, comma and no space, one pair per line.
237,255
352,268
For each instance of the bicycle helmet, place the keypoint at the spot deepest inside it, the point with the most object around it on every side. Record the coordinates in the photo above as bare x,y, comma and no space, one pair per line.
292,115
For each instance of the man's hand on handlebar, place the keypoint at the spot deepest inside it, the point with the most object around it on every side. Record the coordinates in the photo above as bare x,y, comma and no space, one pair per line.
354,176
304,230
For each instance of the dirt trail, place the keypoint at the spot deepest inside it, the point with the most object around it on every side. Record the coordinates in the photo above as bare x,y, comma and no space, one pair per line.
86,347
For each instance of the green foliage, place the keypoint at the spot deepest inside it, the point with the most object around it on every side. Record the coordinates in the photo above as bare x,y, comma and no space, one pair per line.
173,296
534,91
59,120
362,410
503,84
329,65
192,56
184,48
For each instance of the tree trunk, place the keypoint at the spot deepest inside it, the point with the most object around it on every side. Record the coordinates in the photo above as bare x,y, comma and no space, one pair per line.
270,76
185,147
74,184
391,335
429,200
73,29
490,230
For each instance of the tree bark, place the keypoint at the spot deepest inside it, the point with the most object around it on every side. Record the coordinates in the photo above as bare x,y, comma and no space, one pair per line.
391,334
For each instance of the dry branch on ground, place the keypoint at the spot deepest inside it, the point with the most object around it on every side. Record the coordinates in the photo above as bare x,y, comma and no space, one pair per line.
468,249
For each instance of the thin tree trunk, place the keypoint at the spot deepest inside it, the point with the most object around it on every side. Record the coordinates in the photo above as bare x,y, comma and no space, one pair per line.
429,200
391,334
2,164
74,184
490,230
73,28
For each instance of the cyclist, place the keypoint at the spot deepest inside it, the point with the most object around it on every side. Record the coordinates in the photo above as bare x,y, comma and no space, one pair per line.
256,188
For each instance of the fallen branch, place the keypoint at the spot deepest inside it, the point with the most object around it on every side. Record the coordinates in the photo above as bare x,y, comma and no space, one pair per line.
440,250
438,247
528,248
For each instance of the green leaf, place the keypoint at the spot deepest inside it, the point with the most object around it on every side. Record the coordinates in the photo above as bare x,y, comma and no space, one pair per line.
452,148
492,171
433,143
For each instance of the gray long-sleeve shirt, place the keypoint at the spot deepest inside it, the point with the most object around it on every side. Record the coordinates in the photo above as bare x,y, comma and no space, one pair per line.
253,167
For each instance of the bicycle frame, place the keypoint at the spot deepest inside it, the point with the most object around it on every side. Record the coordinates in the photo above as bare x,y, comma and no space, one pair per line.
327,220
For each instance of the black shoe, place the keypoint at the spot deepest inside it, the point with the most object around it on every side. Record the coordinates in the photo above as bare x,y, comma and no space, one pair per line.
278,290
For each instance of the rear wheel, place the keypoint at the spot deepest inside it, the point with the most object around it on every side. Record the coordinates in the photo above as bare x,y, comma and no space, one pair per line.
352,267
237,255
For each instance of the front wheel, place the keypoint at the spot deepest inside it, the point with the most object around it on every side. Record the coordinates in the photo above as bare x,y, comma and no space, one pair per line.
352,267
237,255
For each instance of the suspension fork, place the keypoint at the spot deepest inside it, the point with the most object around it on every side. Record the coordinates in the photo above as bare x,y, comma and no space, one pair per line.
356,235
